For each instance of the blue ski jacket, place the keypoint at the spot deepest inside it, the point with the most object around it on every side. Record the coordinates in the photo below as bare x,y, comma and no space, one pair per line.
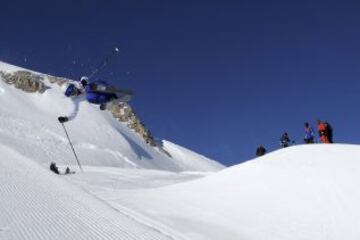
309,133
96,93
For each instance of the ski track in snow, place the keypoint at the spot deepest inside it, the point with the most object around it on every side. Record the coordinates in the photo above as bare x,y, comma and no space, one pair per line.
288,194
150,222
47,207
154,225
22,130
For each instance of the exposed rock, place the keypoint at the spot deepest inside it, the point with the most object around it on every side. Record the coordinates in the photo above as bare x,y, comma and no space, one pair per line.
26,81
124,113
58,80
6,77
52,79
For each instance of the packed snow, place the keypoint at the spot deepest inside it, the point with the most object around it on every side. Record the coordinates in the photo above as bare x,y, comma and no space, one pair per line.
302,192
130,190
37,204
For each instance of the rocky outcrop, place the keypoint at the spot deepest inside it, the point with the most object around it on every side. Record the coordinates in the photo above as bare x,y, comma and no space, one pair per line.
25,81
31,82
124,113
58,80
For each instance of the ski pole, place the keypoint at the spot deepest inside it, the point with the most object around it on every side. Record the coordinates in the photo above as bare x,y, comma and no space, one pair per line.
72,147
105,62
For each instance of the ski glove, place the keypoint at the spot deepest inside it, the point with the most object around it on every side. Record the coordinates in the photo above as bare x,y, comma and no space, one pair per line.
63,119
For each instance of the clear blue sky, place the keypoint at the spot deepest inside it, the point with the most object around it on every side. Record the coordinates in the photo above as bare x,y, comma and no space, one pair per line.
218,77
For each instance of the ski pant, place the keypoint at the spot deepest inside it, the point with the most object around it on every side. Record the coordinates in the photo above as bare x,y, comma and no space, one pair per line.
324,139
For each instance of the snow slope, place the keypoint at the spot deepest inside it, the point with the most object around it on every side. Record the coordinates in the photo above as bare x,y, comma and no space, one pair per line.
28,123
130,190
36,204
302,192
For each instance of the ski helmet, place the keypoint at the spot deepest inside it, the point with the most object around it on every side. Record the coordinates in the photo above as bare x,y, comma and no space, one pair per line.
84,81
70,90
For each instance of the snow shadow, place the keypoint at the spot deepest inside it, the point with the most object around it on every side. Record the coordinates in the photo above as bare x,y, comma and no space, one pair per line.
140,151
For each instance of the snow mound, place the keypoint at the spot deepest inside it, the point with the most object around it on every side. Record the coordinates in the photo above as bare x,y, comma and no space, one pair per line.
28,123
302,192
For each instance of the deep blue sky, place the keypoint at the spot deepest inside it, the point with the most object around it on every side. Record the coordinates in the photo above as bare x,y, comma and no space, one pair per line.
218,77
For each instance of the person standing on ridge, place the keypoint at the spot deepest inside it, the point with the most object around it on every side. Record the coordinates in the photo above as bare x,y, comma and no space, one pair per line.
285,140
322,132
98,92
309,133
260,151
329,132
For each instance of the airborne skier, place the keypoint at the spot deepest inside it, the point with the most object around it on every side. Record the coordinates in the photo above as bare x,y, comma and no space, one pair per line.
97,92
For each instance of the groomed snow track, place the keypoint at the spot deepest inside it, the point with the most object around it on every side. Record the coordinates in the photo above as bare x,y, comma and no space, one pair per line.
36,204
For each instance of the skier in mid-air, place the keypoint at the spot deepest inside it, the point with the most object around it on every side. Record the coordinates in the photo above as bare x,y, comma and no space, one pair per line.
97,92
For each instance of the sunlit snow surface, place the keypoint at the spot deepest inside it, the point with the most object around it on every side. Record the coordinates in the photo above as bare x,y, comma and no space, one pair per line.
303,192
37,204
130,190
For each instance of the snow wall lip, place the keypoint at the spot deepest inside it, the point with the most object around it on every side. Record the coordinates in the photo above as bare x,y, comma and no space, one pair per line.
304,152
316,156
